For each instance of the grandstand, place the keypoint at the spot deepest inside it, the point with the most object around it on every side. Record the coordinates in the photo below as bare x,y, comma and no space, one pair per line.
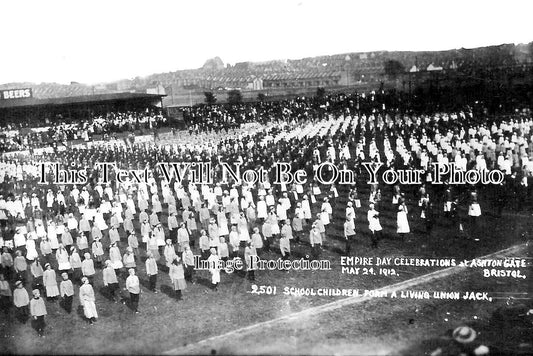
46,105
33,122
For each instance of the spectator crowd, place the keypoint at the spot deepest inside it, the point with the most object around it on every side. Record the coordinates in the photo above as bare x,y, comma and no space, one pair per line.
18,136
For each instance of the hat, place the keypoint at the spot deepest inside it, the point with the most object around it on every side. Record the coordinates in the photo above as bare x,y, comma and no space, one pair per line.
47,265
464,334
35,291
18,283
107,262
64,274
84,279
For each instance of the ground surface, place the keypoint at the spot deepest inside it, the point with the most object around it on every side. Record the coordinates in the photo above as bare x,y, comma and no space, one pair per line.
379,326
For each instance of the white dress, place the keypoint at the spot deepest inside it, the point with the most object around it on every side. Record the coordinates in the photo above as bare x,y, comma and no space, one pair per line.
324,217
105,207
242,228
118,211
63,260
50,283
31,251
306,209
40,231
131,205
214,268
52,236
262,212
211,200
474,210
87,300
156,204
168,198
403,224
270,200
373,221
281,212
222,223
115,257
273,221
100,222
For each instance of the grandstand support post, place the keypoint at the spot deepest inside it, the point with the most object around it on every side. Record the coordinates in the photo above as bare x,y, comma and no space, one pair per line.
347,59
410,103
172,93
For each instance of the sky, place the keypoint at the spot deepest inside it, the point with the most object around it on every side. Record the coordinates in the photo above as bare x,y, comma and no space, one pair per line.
107,40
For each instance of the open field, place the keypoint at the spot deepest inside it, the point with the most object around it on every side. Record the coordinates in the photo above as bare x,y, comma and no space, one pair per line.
381,326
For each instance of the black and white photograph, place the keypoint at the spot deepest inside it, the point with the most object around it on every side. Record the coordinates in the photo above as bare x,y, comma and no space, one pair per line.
245,177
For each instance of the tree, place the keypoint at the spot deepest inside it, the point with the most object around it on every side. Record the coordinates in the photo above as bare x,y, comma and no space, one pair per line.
210,98
320,96
393,68
214,64
234,97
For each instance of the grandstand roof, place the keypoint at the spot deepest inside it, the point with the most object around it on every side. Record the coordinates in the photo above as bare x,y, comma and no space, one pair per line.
73,100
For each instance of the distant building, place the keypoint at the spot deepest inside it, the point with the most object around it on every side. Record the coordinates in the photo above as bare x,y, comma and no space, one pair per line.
158,90
303,80
432,68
